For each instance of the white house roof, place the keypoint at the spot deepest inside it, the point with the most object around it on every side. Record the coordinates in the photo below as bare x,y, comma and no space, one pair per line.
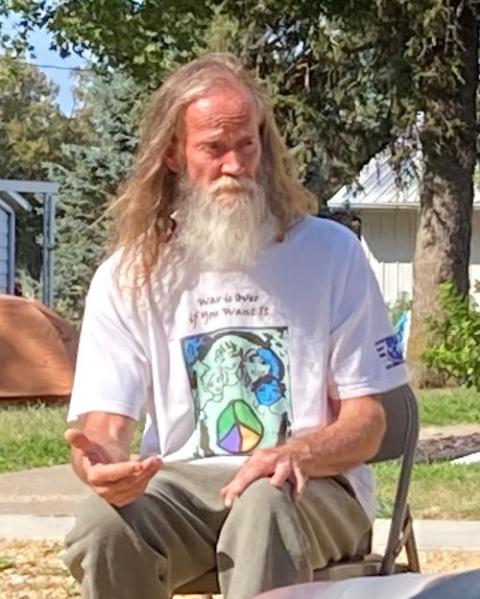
377,188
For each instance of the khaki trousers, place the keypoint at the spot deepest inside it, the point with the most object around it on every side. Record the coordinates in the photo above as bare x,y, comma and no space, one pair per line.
180,529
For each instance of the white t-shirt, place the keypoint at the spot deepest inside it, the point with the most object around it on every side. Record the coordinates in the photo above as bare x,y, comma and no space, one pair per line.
233,361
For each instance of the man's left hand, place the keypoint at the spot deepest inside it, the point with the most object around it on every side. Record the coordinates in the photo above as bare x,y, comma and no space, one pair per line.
281,464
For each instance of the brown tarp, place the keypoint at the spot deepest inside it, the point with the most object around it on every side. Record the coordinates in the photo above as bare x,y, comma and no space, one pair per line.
37,350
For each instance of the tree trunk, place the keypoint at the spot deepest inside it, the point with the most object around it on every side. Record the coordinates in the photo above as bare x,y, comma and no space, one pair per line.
442,252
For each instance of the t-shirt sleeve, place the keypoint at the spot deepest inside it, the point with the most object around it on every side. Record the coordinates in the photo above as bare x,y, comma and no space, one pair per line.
365,355
111,373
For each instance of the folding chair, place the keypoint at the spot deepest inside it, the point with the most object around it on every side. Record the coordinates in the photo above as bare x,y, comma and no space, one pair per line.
399,442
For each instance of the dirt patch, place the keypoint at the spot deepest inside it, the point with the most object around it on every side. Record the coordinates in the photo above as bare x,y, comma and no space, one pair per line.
446,430
34,570
448,561
446,448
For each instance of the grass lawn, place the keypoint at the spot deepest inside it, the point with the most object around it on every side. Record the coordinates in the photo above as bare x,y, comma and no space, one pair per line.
32,436
439,407
438,491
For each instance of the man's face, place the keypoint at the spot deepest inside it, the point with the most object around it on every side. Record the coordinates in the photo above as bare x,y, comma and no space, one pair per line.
221,137
222,211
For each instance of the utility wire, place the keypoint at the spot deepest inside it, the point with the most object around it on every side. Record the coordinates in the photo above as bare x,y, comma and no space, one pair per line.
47,66
52,66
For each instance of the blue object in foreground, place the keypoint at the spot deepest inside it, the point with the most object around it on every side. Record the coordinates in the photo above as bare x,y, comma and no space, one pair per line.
465,585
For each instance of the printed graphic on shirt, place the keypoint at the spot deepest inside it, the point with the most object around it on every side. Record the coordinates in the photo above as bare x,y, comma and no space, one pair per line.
389,350
240,384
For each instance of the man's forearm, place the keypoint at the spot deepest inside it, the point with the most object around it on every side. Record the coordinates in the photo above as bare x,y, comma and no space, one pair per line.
347,442
109,435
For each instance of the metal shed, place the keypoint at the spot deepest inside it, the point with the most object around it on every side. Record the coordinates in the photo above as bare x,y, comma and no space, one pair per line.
12,199
389,225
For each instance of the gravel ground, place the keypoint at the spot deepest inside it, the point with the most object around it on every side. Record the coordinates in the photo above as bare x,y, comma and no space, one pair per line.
33,570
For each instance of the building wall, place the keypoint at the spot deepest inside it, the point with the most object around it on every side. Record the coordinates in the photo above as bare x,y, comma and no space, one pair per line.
475,255
388,237
6,249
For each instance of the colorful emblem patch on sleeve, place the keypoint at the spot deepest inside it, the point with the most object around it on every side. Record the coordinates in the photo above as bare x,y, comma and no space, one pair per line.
389,349
240,385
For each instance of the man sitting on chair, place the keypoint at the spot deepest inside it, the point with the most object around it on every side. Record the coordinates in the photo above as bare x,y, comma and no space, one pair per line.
254,338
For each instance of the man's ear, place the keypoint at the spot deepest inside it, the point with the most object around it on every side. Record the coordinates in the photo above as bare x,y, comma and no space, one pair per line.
172,158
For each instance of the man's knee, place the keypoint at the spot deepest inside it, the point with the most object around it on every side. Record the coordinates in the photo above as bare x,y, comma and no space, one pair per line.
263,532
95,517
98,528
105,553
263,498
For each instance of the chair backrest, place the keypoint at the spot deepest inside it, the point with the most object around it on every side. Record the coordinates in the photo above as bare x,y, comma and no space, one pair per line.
401,414
400,440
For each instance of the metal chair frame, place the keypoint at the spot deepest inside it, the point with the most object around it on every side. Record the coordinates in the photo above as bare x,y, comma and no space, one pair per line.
399,441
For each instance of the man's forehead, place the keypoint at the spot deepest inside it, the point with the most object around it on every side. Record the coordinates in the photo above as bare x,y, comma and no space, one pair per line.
221,105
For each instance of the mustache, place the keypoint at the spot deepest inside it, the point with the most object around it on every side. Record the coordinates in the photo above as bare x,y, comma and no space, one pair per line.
226,184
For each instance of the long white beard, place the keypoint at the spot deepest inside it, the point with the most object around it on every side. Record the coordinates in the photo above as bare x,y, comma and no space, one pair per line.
225,224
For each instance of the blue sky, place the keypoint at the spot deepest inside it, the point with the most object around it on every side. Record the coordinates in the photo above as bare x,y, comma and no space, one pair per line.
55,68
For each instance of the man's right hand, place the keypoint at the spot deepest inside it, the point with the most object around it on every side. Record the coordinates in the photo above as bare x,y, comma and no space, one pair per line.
118,482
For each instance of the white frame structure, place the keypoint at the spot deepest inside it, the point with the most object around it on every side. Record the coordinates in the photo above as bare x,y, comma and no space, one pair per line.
11,244
44,192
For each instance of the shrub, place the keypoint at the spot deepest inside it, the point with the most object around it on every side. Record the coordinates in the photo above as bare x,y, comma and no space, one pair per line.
456,347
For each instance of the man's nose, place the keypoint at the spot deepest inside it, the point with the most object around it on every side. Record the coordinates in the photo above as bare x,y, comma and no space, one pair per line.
232,165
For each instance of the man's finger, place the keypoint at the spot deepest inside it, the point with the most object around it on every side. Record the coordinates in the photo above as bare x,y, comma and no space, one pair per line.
149,468
93,451
105,474
247,474
281,474
231,491
151,462
102,474
131,486
300,481
127,490
230,495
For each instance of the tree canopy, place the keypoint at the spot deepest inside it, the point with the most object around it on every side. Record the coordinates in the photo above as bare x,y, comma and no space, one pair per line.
89,176
32,128
342,84
32,131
